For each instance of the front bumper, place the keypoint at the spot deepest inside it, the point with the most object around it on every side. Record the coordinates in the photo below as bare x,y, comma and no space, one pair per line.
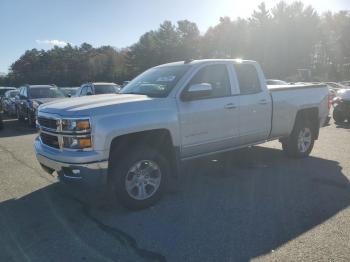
91,173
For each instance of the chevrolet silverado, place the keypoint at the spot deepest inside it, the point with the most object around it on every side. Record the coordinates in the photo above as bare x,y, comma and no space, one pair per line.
136,140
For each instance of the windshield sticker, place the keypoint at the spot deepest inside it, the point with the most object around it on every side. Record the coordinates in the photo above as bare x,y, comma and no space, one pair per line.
166,78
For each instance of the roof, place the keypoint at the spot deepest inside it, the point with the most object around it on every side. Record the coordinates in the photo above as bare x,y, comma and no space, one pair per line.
103,83
38,86
202,61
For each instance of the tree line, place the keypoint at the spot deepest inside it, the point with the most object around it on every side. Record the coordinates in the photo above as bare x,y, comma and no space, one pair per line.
286,40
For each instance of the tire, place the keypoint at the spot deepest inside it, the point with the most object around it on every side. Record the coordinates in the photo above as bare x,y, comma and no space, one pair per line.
338,115
31,120
1,123
122,175
19,116
301,141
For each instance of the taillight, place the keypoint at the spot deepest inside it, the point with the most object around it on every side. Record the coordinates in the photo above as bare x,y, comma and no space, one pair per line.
330,99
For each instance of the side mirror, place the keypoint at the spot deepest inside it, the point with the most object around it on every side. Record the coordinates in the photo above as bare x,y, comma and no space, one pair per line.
197,91
89,94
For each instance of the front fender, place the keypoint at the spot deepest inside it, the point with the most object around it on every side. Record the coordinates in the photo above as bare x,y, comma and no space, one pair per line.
111,126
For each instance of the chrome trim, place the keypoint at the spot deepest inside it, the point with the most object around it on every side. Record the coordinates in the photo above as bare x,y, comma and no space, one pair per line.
59,133
60,118
94,170
66,135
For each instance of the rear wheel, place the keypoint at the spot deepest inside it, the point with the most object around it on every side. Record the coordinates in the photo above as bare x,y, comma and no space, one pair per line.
338,115
300,143
139,178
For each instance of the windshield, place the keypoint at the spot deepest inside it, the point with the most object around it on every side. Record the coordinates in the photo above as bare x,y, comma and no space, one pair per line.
105,89
46,92
156,82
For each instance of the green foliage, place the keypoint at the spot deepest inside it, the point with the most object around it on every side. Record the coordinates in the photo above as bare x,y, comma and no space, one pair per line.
284,39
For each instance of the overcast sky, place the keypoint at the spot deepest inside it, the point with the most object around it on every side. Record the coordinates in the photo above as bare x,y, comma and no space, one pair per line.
27,24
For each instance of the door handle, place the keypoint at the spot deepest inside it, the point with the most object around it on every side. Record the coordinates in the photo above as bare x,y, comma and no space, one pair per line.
230,106
263,102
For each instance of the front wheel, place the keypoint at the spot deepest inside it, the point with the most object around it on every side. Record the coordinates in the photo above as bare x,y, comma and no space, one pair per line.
139,178
301,141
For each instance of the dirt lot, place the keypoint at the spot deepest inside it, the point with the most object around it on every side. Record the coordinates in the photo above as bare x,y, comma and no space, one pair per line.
254,204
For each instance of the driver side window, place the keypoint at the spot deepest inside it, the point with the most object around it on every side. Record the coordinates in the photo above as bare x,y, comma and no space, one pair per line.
217,76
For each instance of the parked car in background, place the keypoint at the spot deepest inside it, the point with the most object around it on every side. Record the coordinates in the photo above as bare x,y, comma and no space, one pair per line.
8,102
346,84
3,90
125,83
30,97
276,82
69,91
98,88
135,141
341,104
335,86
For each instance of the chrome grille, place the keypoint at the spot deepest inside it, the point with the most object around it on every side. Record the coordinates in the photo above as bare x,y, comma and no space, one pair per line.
48,123
50,140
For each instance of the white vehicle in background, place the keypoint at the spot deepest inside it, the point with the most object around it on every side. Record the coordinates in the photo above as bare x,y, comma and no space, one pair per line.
335,86
346,84
97,88
341,104
134,141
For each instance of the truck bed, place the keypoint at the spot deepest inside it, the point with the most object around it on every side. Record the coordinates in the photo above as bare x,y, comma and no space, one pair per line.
289,99
292,87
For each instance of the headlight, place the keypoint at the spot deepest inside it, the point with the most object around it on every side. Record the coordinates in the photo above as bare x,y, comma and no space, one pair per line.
77,142
74,125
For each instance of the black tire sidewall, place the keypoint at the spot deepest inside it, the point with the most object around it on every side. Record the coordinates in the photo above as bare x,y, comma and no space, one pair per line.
121,167
338,115
19,116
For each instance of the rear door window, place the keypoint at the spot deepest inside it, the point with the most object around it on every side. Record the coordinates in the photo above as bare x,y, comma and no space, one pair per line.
248,79
83,91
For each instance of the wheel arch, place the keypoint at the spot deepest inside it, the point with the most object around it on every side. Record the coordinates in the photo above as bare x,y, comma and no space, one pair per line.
309,114
160,139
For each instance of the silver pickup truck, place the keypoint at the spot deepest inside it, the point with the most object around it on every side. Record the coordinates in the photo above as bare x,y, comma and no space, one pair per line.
134,141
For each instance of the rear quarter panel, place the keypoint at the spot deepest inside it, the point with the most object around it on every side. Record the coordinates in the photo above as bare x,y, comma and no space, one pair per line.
288,101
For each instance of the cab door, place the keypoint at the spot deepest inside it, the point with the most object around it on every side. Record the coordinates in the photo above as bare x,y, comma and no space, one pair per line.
209,123
255,110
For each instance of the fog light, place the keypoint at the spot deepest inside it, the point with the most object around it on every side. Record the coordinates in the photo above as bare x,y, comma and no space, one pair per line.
84,142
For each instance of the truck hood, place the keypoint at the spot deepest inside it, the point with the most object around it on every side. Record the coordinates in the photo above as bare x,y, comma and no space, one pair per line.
92,105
